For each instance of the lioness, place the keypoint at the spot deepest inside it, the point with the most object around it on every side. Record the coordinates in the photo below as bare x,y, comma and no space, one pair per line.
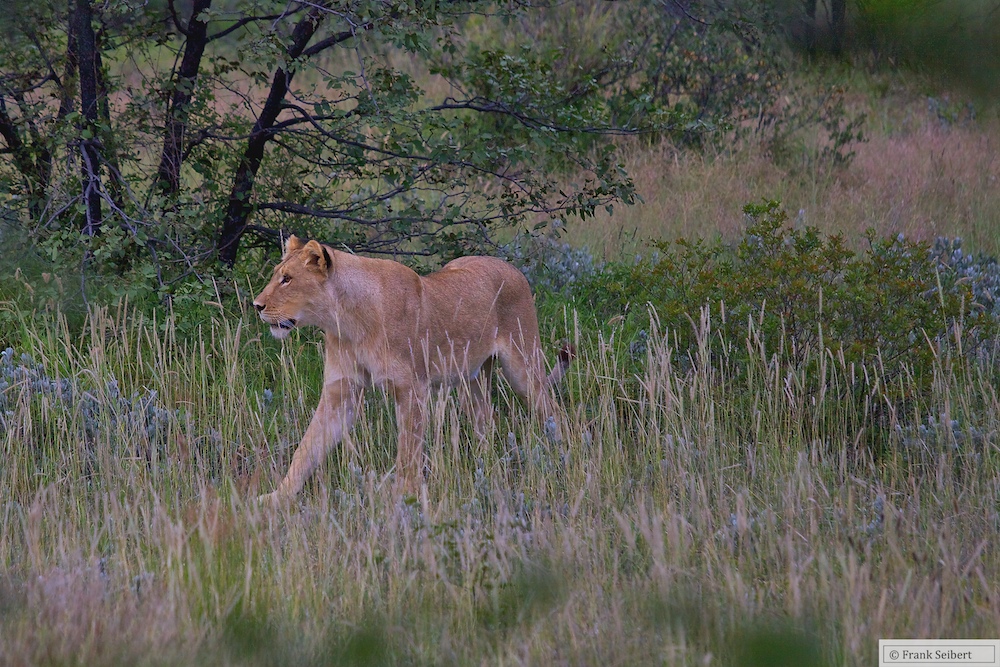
388,327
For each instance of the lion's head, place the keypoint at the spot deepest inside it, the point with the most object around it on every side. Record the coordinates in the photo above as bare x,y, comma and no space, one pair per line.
289,300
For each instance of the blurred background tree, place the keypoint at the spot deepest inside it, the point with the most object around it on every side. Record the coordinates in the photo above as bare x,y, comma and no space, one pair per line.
954,38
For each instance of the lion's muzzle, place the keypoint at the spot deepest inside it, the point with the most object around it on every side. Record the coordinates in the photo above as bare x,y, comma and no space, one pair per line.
280,326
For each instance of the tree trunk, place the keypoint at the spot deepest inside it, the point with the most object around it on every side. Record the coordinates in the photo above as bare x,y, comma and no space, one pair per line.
238,210
67,87
66,96
116,183
90,156
810,25
22,158
168,175
34,160
838,24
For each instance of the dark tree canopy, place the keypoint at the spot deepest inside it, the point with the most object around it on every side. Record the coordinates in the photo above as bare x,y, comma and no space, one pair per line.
161,138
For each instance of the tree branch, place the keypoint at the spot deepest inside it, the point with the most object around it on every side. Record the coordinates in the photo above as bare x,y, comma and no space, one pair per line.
168,174
483,105
333,40
250,19
238,209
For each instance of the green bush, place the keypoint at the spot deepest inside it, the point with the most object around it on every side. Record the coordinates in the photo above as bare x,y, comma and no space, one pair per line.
793,299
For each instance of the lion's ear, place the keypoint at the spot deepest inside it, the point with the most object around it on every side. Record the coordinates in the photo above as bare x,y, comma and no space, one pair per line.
315,255
292,243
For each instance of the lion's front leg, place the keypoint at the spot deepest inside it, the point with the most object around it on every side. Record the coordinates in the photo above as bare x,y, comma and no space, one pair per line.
411,418
334,417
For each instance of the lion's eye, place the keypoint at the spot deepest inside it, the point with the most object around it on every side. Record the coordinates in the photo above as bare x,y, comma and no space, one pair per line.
284,280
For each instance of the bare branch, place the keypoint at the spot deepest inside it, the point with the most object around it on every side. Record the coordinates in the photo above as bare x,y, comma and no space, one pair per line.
175,18
246,20
484,105
333,40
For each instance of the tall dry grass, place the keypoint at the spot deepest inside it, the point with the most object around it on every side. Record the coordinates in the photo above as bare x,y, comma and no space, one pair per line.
686,519
916,174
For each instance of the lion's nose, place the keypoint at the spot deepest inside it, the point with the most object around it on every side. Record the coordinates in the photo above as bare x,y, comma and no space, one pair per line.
258,306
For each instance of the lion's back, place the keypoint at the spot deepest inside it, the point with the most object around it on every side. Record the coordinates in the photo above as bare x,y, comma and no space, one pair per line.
479,289
495,279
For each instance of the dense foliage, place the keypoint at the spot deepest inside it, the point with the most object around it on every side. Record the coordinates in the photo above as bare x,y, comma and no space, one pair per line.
149,142
154,140
798,300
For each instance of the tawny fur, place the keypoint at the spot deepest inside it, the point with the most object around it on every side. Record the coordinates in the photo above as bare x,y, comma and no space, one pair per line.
388,327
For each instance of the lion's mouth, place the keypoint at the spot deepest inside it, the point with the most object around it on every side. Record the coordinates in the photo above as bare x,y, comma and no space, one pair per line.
280,328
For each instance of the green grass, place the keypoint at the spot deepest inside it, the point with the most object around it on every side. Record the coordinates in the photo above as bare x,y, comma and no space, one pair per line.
683,521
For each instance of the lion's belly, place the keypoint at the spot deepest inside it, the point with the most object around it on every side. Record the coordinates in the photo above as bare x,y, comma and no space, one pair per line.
453,357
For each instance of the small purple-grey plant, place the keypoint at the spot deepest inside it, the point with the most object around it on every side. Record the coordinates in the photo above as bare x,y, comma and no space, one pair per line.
980,272
939,432
109,413
550,265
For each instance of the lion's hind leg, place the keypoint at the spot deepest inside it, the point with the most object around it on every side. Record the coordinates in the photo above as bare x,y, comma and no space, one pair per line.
477,401
525,372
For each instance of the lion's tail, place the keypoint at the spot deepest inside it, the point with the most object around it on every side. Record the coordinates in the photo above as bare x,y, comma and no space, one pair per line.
566,355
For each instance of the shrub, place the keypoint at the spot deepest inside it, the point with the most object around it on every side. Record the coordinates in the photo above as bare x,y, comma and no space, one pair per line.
981,273
793,298
137,425
550,265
